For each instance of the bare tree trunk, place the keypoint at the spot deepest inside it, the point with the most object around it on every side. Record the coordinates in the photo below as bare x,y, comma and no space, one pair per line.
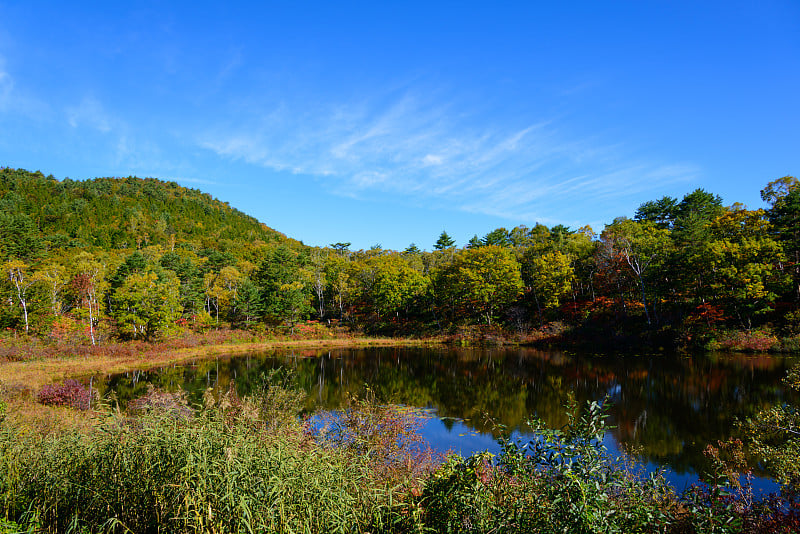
91,321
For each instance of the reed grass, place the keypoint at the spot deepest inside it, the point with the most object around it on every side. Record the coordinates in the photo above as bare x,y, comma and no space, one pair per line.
167,472
251,465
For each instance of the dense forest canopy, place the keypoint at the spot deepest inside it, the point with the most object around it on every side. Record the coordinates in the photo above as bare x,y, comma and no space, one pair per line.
141,258
41,215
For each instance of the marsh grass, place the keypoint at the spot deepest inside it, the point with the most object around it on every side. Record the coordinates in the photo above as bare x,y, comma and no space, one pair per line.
237,466
386,436
246,465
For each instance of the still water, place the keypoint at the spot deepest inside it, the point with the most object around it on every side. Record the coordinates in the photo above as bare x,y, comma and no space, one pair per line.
666,408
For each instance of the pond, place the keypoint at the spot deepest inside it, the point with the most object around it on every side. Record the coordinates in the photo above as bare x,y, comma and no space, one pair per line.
665,408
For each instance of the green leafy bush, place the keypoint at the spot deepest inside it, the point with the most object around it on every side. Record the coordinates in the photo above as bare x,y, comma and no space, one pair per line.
563,481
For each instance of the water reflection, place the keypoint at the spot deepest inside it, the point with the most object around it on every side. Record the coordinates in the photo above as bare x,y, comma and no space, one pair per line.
668,407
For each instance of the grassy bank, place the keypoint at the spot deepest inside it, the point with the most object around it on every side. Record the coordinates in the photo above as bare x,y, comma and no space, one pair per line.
250,465
32,363
232,466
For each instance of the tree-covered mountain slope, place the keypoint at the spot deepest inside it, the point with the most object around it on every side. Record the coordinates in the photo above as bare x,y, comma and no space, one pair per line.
40,215
140,258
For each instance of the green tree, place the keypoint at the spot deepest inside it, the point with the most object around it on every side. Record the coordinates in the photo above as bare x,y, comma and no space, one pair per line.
19,236
743,257
778,189
691,230
559,235
293,298
53,278
641,245
661,212
548,276
697,205
395,285
248,306
784,214
412,250
482,280
774,436
283,282
444,242
146,304
498,237
135,262
185,266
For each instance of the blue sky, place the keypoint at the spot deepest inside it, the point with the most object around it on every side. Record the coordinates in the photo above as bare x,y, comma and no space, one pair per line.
388,122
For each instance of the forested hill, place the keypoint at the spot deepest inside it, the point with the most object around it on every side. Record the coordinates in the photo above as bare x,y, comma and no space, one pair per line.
40,215
140,258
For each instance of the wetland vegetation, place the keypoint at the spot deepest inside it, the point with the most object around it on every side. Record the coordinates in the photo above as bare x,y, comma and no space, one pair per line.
250,464
132,275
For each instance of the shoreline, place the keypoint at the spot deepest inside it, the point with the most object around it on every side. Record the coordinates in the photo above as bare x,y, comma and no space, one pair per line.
39,368
35,373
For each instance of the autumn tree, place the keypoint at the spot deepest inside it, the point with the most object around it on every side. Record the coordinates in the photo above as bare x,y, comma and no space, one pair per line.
318,283
743,257
88,285
641,245
221,289
147,304
341,248
339,284
395,284
52,277
581,247
482,280
16,273
548,276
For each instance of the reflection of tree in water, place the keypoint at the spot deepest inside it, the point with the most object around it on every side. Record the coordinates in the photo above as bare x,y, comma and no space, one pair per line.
670,407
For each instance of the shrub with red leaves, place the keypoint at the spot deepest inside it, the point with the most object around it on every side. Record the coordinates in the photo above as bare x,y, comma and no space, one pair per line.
71,393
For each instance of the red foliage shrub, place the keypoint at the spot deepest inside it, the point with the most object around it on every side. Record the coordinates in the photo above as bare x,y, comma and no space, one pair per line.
752,341
71,393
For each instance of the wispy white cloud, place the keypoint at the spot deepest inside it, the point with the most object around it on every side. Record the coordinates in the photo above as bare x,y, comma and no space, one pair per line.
6,85
14,100
425,148
90,112
124,147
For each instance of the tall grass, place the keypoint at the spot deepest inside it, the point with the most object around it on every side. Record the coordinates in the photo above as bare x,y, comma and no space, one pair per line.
250,465
214,471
